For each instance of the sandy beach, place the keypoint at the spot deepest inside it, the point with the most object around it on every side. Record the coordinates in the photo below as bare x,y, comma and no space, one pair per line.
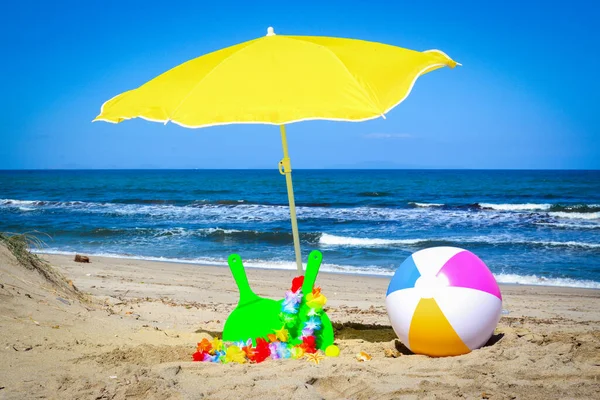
133,335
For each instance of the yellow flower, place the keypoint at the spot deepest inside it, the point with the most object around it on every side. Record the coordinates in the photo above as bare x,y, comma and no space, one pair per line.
217,344
297,352
235,354
282,334
316,301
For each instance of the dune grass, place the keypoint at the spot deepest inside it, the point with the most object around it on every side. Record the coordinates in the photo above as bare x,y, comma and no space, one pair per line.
19,244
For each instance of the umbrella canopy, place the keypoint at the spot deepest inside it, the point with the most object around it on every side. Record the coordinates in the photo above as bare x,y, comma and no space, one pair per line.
278,80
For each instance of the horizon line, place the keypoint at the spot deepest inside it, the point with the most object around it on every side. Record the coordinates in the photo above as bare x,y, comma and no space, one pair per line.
301,169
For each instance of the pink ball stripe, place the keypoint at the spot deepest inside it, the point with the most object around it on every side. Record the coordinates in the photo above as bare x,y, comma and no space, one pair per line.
466,270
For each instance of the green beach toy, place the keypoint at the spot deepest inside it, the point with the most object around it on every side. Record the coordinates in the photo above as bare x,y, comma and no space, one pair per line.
254,316
257,316
324,336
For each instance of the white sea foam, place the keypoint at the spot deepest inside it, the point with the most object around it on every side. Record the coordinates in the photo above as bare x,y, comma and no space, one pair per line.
427,205
17,203
565,225
575,215
343,241
428,217
516,207
210,231
333,240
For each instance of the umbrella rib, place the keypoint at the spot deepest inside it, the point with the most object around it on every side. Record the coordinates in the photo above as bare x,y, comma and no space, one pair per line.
335,56
205,76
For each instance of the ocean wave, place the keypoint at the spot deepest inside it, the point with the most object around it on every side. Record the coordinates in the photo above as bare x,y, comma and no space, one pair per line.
372,270
38,203
430,215
563,209
564,225
425,205
562,244
515,207
237,235
149,201
575,215
333,240
578,208
252,236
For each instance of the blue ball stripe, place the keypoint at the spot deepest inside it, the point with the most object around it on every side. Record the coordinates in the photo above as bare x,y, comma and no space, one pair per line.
405,277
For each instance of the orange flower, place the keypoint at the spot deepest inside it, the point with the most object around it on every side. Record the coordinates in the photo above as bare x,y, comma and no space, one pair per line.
204,346
249,350
272,337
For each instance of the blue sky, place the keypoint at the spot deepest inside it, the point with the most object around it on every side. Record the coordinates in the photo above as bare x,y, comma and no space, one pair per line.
526,97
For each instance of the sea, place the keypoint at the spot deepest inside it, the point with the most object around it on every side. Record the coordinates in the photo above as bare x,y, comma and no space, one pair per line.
529,227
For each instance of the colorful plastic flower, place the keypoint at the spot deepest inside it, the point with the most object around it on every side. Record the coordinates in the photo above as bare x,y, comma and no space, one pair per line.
272,337
279,350
307,331
316,301
293,297
211,358
284,351
241,343
261,351
204,346
273,350
297,283
198,356
217,344
221,355
313,323
309,344
249,351
282,334
289,308
235,354
297,352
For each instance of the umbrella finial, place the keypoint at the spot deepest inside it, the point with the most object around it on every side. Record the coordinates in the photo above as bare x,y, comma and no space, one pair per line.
270,31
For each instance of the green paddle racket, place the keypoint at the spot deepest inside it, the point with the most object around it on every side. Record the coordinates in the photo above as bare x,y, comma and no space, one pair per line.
257,316
254,316
324,336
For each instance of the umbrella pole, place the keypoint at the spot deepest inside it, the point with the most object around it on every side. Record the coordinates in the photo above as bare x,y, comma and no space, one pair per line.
285,168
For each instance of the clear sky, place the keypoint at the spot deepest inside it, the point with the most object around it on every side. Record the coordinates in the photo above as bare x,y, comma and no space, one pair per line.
528,95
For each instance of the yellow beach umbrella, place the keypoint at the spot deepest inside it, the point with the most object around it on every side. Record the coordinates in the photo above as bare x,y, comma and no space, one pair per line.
278,80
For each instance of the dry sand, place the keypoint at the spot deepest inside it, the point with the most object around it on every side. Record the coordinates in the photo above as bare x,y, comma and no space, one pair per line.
135,337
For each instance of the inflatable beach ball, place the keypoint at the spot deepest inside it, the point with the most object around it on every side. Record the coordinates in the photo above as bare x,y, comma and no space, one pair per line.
443,301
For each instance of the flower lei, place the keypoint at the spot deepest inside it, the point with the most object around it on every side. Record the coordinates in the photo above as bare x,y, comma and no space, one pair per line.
293,340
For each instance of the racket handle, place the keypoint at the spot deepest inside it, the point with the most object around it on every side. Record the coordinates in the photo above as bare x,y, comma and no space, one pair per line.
239,275
312,270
